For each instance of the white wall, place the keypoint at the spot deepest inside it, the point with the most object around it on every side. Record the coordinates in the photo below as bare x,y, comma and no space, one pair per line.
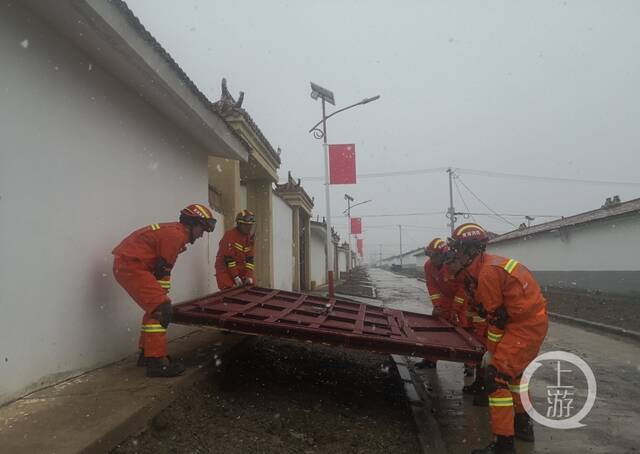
318,257
243,197
83,162
342,261
604,253
282,244
420,261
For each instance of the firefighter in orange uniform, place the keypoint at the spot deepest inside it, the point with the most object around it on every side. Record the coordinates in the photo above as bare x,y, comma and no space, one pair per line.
440,284
506,293
235,261
142,266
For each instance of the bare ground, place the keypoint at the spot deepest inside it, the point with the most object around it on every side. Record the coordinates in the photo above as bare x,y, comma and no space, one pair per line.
287,397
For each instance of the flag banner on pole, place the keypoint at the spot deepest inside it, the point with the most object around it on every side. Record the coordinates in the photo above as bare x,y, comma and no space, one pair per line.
342,164
356,226
360,246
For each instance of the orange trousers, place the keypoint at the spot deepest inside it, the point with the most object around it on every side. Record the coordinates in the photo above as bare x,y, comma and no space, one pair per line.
145,290
519,346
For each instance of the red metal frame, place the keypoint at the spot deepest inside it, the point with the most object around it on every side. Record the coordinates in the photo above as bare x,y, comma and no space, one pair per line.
333,321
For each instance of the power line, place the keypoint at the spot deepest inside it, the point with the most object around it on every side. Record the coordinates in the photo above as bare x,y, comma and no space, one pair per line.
455,182
439,213
397,173
488,173
485,205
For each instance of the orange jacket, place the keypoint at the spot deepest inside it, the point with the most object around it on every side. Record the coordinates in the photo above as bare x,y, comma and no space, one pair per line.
235,254
509,294
155,248
441,286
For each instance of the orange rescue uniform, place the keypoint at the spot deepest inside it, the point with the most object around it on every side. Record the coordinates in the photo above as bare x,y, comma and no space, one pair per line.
505,285
142,266
235,258
442,288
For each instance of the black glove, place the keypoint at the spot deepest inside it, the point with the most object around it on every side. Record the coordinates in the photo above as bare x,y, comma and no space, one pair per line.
500,317
490,375
163,314
162,268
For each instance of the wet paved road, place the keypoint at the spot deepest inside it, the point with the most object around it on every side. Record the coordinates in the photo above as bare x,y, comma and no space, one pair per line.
613,425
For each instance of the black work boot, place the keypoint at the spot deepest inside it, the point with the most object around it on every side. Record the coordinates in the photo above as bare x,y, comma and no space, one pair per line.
142,361
524,427
475,388
502,445
157,367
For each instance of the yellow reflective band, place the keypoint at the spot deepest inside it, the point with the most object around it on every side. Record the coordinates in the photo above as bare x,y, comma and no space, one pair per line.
153,329
494,337
500,401
477,319
247,249
155,226
231,264
238,247
510,266
519,388
435,296
470,226
203,211
438,243
458,300
251,266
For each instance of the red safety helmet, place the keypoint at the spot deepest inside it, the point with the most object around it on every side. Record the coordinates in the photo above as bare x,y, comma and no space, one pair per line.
436,246
469,235
245,217
201,214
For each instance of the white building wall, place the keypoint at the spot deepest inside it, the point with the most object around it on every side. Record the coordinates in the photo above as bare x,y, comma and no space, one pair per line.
604,254
243,196
83,162
420,261
318,257
342,261
282,244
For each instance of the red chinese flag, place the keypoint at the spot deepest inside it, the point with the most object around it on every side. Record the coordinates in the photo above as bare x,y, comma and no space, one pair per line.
356,226
360,246
342,164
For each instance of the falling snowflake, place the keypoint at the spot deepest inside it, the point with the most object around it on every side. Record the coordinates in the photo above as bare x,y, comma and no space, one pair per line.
24,43
153,166
218,168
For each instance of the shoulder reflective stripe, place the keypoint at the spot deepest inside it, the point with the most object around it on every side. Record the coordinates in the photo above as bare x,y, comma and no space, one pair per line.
247,249
494,337
155,226
238,246
510,265
250,266
435,296
231,264
458,300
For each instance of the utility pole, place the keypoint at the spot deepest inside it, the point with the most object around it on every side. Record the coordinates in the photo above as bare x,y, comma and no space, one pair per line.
400,226
451,212
349,199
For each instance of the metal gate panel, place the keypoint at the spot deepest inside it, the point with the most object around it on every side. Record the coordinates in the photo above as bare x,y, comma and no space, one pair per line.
334,321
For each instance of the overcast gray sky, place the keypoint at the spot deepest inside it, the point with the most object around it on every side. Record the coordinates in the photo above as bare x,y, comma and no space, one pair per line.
546,88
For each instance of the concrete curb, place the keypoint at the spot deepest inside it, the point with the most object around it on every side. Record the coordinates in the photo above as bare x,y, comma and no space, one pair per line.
595,325
429,434
139,421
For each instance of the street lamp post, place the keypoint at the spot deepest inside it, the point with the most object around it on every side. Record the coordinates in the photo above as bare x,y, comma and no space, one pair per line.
327,96
350,199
